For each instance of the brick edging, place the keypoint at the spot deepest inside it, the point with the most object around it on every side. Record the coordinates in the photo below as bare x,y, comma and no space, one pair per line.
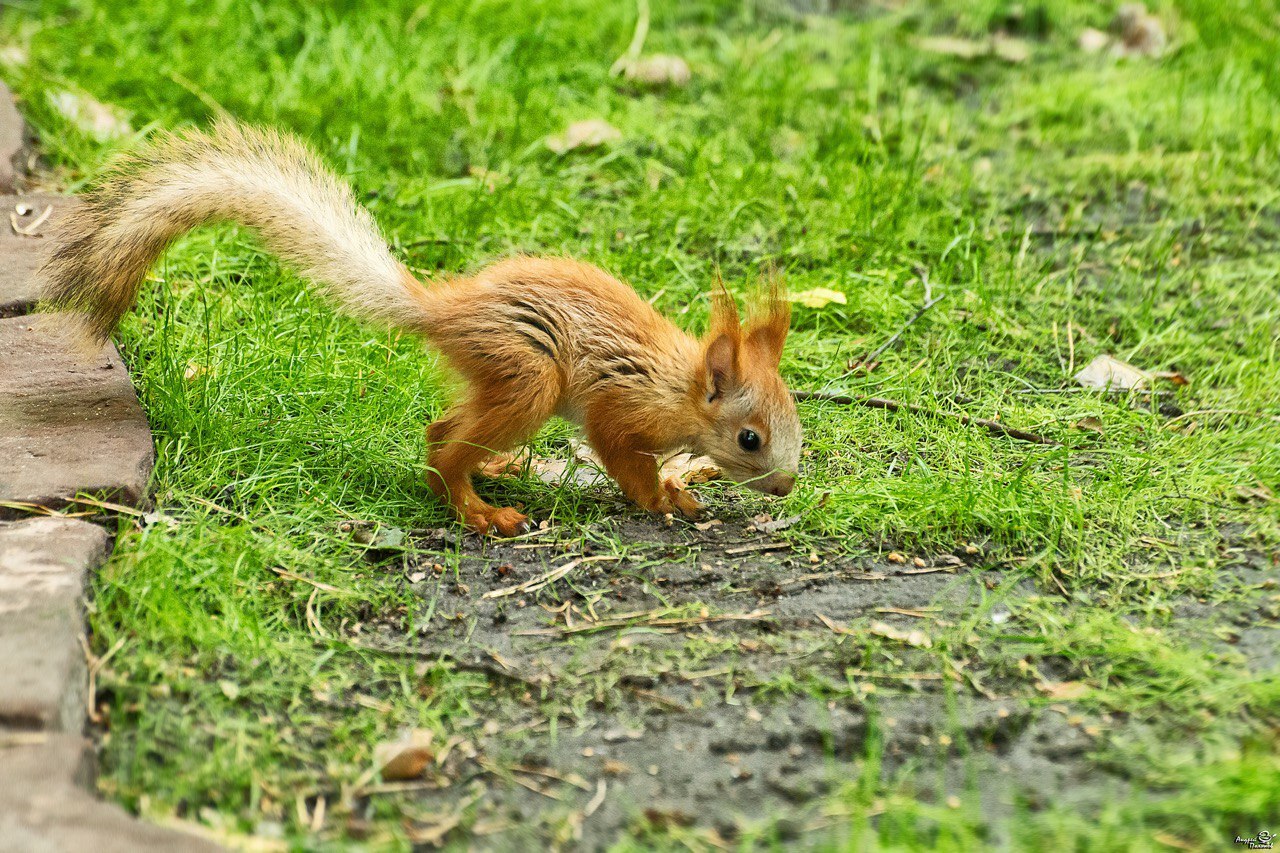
70,427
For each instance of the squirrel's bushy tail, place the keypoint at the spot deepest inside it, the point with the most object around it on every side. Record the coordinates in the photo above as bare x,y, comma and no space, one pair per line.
272,183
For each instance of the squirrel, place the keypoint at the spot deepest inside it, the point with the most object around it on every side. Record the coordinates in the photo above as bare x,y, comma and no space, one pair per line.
531,336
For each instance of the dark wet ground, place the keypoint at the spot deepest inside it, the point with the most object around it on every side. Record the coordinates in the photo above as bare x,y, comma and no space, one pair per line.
703,681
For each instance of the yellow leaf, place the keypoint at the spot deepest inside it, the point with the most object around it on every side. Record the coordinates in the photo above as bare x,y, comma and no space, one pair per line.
591,133
818,297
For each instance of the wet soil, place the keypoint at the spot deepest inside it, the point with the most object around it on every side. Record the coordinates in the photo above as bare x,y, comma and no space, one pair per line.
704,679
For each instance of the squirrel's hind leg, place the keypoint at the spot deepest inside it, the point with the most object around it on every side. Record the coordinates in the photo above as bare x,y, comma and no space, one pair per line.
493,419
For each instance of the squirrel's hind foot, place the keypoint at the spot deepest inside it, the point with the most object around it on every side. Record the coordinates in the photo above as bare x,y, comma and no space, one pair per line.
497,521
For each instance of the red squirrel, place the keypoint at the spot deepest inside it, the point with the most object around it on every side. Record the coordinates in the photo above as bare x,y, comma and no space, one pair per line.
532,337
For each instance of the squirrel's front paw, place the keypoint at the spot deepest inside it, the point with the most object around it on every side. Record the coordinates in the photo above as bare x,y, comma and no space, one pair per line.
681,498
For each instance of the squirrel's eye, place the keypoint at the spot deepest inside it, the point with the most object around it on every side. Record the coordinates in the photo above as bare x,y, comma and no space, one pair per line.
749,440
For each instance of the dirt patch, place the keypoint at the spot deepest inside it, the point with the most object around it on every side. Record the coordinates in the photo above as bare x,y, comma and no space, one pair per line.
703,679
725,679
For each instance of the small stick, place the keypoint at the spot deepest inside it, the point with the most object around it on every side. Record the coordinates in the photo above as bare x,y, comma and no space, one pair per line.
756,549
895,406
535,584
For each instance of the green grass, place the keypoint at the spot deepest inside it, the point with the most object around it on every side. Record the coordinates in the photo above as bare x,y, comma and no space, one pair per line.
1065,207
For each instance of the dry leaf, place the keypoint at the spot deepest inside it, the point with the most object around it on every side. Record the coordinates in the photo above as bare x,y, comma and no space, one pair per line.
1141,33
1064,689
1107,371
818,297
774,525
660,69
1093,41
1089,424
587,468
99,120
406,757
1002,47
1010,49
689,468
915,637
591,133
229,689
14,55
952,46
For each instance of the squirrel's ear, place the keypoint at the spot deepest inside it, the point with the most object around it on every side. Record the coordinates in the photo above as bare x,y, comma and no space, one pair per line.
723,342
767,329
722,365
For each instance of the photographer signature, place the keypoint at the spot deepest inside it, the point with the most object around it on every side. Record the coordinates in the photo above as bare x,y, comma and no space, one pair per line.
1262,841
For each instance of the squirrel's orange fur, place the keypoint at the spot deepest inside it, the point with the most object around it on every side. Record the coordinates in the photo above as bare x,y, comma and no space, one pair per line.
532,337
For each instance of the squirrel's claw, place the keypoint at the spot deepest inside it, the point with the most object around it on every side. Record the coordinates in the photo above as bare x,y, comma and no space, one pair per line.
681,498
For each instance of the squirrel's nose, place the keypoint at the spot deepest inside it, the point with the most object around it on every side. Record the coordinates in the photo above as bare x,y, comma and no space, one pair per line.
782,484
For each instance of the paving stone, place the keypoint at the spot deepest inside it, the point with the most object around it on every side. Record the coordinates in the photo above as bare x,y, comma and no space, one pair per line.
13,143
22,254
44,563
45,806
68,423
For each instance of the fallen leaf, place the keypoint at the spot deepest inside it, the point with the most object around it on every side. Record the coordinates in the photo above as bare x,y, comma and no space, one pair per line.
99,120
584,467
1093,41
660,69
818,297
194,371
406,757
14,55
1089,424
952,46
689,468
1141,33
1064,689
914,637
1011,49
229,689
1107,371
591,133
776,524
1006,48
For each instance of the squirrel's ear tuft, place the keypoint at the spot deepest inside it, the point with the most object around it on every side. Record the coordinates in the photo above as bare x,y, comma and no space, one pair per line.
724,312
767,328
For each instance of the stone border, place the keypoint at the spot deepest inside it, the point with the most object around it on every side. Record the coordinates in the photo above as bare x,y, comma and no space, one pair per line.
70,427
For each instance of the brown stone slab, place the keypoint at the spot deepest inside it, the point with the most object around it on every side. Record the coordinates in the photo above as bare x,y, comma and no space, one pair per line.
44,563
13,143
22,254
69,424
43,806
